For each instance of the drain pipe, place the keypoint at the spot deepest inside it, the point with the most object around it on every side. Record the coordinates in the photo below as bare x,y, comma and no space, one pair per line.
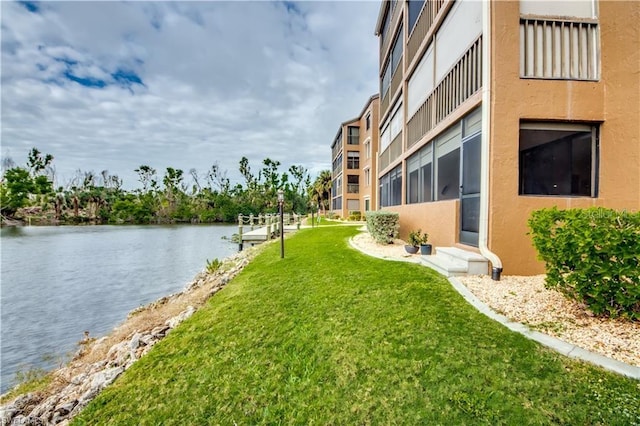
483,236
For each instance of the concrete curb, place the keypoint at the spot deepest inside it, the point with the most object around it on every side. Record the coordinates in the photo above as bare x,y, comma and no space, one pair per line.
567,349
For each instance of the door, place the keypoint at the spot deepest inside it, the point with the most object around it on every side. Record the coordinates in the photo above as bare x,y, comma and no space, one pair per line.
470,190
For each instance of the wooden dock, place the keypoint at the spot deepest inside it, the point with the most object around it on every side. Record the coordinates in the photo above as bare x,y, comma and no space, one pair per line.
263,228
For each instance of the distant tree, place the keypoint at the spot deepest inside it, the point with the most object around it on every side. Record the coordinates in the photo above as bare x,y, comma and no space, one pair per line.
17,184
320,191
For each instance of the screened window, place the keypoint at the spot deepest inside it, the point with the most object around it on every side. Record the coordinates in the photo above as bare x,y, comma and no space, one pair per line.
419,176
396,53
353,135
353,184
353,160
558,159
391,188
447,160
386,79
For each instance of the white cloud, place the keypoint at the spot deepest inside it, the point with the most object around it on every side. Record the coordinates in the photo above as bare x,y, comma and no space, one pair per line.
221,80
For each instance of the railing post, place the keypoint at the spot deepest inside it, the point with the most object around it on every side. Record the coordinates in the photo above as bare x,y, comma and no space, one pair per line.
239,232
251,220
267,220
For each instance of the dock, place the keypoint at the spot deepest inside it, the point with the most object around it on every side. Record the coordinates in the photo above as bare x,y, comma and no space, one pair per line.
264,227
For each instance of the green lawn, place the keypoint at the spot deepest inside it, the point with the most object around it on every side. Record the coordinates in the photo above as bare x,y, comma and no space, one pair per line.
331,336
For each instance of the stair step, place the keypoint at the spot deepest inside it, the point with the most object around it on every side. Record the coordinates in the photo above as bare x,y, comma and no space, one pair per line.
453,261
445,265
459,253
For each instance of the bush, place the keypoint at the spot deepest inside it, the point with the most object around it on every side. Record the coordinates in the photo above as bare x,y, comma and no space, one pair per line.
592,256
383,226
355,215
213,265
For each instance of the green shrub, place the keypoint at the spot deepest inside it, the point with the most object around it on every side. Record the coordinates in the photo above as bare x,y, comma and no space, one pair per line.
592,256
383,226
355,215
213,265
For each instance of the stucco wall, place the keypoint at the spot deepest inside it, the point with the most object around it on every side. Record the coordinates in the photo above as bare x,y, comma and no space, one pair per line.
614,101
439,219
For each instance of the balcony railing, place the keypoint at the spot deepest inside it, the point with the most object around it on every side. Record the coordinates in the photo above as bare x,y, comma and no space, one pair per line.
421,122
353,188
559,49
462,81
422,26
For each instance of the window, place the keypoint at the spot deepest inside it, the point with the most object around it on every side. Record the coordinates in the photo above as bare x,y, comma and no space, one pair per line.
353,184
392,127
353,135
367,205
391,188
353,205
353,160
337,203
447,159
367,177
419,176
385,25
396,53
415,6
368,121
392,63
336,186
337,164
386,79
367,149
558,159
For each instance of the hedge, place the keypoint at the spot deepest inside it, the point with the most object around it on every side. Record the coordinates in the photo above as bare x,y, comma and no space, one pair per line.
592,256
383,226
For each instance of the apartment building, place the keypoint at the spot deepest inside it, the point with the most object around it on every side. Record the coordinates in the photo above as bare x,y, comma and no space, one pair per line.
354,154
490,110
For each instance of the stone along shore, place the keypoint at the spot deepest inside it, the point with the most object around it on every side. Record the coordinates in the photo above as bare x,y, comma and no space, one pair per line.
99,362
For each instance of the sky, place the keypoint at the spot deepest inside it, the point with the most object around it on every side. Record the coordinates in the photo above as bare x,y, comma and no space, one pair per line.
116,85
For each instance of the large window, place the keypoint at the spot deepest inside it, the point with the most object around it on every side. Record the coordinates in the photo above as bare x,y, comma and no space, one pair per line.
558,159
353,160
419,176
353,135
391,188
353,184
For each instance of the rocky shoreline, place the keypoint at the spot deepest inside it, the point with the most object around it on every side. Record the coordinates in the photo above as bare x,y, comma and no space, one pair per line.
99,362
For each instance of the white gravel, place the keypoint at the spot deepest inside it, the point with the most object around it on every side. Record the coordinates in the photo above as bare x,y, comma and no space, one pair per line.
525,300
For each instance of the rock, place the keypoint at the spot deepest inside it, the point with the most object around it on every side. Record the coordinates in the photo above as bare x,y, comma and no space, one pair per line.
7,413
135,341
173,322
66,408
105,377
160,331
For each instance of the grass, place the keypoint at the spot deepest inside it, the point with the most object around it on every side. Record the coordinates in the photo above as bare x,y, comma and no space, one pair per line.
330,336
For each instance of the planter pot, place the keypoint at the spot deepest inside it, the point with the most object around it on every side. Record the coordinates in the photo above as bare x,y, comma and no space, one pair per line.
425,249
411,249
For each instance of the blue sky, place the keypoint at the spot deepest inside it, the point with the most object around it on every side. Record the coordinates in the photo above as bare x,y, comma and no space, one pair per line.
114,85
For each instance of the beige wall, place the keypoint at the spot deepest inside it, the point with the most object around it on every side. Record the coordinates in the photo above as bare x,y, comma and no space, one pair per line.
439,219
614,101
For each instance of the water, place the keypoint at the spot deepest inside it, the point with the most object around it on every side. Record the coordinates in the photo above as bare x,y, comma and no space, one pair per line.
57,282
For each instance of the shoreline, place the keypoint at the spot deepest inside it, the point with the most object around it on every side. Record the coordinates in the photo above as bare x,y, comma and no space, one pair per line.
98,362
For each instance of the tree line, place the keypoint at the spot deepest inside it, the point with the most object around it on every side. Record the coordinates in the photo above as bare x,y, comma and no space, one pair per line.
28,193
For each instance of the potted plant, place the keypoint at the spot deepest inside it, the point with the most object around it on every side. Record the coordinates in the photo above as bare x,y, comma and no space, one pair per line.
414,240
425,247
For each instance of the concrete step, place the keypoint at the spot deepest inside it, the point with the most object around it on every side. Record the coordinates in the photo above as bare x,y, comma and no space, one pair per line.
445,265
454,261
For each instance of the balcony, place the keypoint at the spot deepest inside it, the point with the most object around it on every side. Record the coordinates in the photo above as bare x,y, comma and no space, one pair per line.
353,188
423,24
